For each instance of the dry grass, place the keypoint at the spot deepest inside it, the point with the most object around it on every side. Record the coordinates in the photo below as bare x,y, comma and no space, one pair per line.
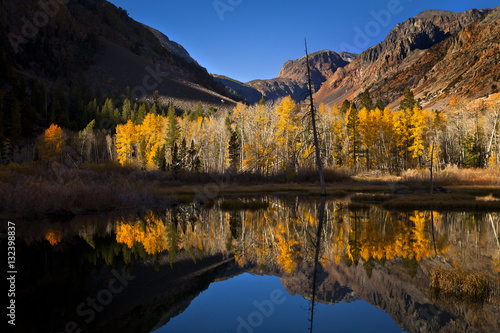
461,284
452,175
32,191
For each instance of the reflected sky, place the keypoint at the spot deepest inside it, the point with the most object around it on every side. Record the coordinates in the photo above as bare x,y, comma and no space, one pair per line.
243,304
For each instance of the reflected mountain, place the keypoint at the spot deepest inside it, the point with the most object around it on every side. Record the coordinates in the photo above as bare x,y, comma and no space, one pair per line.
384,258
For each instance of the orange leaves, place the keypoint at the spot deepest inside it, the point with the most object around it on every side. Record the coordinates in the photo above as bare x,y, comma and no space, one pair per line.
51,144
54,237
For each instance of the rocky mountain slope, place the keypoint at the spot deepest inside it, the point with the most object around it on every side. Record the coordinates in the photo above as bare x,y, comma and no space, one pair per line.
437,54
292,78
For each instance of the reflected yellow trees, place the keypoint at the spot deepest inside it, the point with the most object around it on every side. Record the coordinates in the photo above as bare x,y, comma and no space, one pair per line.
150,232
173,232
53,236
281,237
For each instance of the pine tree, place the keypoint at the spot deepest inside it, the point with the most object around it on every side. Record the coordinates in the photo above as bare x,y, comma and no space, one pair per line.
173,129
352,125
197,164
183,153
141,114
126,110
159,158
345,107
262,101
191,157
366,100
185,113
199,110
175,166
154,110
157,102
380,105
234,150
409,102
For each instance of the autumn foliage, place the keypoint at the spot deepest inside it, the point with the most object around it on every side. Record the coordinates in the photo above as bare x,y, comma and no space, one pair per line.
51,144
272,139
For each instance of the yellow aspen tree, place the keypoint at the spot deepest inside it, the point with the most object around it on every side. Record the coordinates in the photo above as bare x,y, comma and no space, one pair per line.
391,137
125,141
368,129
403,136
287,134
338,136
152,131
259,148
418,129
324,122
378,139
51,144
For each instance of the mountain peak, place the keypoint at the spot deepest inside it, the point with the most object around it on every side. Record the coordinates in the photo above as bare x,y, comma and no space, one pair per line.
434,12
325,62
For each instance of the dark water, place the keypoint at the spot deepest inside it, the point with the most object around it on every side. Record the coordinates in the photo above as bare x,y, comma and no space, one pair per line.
272,270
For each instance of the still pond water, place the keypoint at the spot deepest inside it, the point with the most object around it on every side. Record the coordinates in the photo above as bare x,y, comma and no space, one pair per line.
296,266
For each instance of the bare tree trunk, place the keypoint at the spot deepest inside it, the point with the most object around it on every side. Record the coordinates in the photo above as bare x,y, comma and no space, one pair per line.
315,132
493,133
432,165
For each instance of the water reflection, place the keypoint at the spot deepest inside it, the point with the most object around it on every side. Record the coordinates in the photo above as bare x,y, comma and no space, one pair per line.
323,251
316,259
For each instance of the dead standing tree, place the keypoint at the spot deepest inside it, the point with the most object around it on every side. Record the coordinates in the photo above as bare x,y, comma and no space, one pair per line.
315,132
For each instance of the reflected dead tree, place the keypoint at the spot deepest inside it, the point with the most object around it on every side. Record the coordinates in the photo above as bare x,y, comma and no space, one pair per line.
432,232
316,261
323,189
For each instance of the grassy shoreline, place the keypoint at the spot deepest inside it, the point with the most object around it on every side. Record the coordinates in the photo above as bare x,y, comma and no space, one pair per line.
35,191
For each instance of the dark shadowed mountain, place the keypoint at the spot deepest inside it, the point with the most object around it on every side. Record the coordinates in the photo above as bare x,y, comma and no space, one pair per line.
95,41
239,89
170,45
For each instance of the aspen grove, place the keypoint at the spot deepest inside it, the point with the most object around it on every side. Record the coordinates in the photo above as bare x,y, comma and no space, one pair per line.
270,139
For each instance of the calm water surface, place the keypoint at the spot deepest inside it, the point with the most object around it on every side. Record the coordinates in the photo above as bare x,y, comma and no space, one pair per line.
270,270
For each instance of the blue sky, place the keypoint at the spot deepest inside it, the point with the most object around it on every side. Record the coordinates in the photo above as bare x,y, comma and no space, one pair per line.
251,39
